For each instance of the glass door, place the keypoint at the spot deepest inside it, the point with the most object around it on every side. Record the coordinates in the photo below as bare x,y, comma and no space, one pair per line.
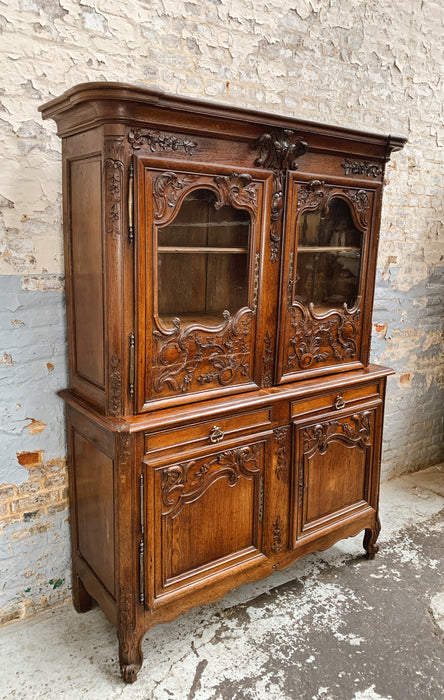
199,275
325,278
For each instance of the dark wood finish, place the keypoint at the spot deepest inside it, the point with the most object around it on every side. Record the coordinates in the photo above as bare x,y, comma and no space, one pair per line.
222,416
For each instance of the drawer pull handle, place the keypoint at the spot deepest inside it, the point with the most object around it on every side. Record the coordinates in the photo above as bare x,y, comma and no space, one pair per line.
216,434
339,402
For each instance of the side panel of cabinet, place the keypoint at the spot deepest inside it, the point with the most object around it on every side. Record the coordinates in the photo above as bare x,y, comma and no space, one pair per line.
204,516
84,275
200,293
326,296
336,470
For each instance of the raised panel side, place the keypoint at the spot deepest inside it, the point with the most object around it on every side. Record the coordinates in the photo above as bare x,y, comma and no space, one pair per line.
86,278
93,501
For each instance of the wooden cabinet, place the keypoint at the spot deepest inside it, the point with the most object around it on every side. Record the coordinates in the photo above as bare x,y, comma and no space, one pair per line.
223,419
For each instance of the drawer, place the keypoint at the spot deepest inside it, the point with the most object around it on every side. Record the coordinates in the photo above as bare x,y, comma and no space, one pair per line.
338,399
217,430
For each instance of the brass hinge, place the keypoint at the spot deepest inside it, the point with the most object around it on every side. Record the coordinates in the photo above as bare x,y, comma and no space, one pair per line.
131,203
142,504
132,362
141,572
141,541
261,498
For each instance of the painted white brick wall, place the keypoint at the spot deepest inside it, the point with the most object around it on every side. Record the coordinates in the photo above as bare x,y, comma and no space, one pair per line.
371,65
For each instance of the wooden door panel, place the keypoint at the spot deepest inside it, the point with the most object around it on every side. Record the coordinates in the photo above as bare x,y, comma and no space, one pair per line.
327,476
335,470
207,515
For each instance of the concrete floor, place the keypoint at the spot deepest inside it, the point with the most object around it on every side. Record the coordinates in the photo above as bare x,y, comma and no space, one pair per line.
332,627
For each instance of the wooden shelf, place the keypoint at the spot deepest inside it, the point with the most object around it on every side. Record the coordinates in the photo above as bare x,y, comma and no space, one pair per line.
201,249
328,249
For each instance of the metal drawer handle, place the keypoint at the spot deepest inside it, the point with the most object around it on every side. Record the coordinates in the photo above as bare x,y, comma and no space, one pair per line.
339,402
216,434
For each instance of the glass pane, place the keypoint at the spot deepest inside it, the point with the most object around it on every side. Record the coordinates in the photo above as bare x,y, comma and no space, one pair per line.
203,261
328,258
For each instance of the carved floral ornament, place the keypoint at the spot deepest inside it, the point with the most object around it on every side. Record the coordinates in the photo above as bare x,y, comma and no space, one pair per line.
193,355
189,480
316,339
157,140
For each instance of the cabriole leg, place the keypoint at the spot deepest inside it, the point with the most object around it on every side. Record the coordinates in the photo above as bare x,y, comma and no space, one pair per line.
130,654
370,537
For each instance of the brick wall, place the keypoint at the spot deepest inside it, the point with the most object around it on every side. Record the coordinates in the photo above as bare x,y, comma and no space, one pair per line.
367,65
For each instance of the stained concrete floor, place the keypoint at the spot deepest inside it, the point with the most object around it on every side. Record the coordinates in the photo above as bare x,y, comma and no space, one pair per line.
332,627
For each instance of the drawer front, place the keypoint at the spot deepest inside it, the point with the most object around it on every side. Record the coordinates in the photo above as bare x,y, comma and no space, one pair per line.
207,433
335,400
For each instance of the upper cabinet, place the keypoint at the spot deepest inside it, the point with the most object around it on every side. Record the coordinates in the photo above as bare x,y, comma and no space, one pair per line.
211,250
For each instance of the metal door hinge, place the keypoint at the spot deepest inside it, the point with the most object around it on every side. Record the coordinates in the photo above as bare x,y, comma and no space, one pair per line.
131,203
141,572
132,362
142,541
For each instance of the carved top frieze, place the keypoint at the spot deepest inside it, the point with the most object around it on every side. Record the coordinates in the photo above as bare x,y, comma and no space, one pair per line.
159,141
280,149
361,167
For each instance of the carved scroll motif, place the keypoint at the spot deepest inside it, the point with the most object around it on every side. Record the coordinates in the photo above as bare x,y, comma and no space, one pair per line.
167,189
113,167
217,357
115,385
156,140
316,194
187,481
281,438
277,535
279,151
267,360
317,338
237,189
359,167
354,430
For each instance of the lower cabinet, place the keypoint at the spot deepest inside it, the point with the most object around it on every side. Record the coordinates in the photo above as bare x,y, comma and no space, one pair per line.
204,514
172,511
